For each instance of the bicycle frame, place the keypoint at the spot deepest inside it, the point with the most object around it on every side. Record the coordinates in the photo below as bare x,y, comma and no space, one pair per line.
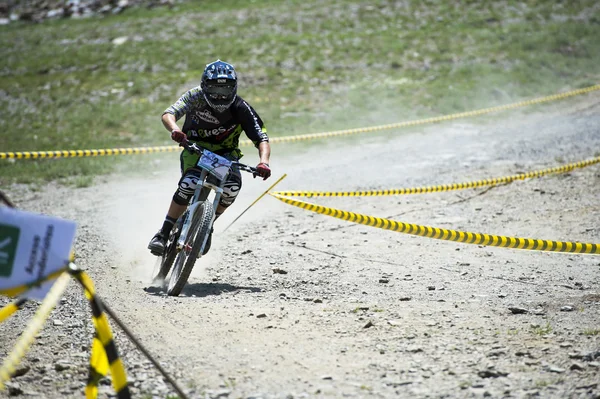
201,193
204,187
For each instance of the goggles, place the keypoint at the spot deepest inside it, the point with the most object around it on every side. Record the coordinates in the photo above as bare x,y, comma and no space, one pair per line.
219,92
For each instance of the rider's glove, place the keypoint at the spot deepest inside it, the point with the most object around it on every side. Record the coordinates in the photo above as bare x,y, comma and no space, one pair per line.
263,170
178,136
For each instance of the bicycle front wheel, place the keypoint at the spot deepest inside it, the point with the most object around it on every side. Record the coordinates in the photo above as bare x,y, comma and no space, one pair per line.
195,239
170,252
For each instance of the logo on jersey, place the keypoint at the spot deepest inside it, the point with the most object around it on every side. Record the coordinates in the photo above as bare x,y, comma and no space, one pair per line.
212,132
206,116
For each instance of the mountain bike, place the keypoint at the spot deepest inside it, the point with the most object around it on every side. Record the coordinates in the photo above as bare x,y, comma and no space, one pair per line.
190,233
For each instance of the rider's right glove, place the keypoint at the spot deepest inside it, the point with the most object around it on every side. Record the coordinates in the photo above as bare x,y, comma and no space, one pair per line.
263,170
178,136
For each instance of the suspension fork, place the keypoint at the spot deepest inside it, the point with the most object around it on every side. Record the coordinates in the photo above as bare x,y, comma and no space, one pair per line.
200,195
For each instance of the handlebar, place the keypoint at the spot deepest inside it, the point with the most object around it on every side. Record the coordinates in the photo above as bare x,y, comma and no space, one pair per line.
194,148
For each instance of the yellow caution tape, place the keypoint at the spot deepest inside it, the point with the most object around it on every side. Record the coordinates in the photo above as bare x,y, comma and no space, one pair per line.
11,308
302,137
443,187
104,355
14,291
104,350
33,328
436,119
98,367
449,235
88,153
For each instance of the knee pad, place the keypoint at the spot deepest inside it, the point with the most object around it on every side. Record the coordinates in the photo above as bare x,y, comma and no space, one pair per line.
185,190
231,189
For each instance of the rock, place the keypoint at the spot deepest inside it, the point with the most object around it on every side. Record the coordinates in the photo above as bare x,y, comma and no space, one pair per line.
554,369
567,308
61,366
369,324
491,373
523,353
261,316
588,386
414,349
57,323
38,11
21,370
405,298
576,366
223,393
277,270
14,389
496,352
517,310
591,356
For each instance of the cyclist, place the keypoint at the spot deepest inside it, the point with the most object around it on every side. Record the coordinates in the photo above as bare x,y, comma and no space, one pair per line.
214,118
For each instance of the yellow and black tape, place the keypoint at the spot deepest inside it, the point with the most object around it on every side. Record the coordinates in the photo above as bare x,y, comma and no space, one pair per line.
436,119
104,350
104,354
33,328
11,308
301,137
15,291
443,187
449,235
87,153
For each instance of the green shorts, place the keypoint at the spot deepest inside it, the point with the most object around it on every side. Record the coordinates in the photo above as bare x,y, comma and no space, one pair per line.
189,160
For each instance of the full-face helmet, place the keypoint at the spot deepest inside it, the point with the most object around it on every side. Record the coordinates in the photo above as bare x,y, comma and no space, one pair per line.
219,85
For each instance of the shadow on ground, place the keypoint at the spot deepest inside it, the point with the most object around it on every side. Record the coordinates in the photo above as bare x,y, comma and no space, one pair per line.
203,289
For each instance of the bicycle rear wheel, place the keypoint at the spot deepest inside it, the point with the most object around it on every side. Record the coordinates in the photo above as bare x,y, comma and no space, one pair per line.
186,258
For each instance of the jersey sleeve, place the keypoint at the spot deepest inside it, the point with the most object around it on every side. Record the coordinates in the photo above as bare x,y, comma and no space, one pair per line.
252,124
188,100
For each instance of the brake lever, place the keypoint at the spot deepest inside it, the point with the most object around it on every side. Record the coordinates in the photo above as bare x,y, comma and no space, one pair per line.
191,147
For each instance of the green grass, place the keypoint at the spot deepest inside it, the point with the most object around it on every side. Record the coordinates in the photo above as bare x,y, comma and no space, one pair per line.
306,66
591,331
545,330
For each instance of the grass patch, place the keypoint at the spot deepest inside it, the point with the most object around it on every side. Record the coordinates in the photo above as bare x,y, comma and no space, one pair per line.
306,66
591,331
542,330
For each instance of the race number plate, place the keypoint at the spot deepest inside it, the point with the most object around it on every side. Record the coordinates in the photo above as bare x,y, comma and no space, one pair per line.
214,164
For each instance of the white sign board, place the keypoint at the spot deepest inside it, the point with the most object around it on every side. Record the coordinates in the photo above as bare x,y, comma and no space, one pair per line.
31,247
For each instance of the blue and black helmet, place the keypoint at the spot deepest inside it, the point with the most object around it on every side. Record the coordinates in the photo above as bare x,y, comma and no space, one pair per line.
219,85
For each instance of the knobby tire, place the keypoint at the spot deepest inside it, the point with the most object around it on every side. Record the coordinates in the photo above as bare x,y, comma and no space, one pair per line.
197,235
170,253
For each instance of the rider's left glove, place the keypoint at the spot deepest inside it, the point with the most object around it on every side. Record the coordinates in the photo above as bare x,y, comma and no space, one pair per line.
263,170
178,136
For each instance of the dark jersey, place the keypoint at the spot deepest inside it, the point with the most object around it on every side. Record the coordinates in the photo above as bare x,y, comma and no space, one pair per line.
218,132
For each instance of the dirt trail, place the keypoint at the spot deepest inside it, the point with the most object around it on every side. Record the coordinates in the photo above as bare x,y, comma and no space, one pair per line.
361,312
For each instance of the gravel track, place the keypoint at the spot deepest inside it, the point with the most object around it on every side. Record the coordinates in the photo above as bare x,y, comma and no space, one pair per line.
291,304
